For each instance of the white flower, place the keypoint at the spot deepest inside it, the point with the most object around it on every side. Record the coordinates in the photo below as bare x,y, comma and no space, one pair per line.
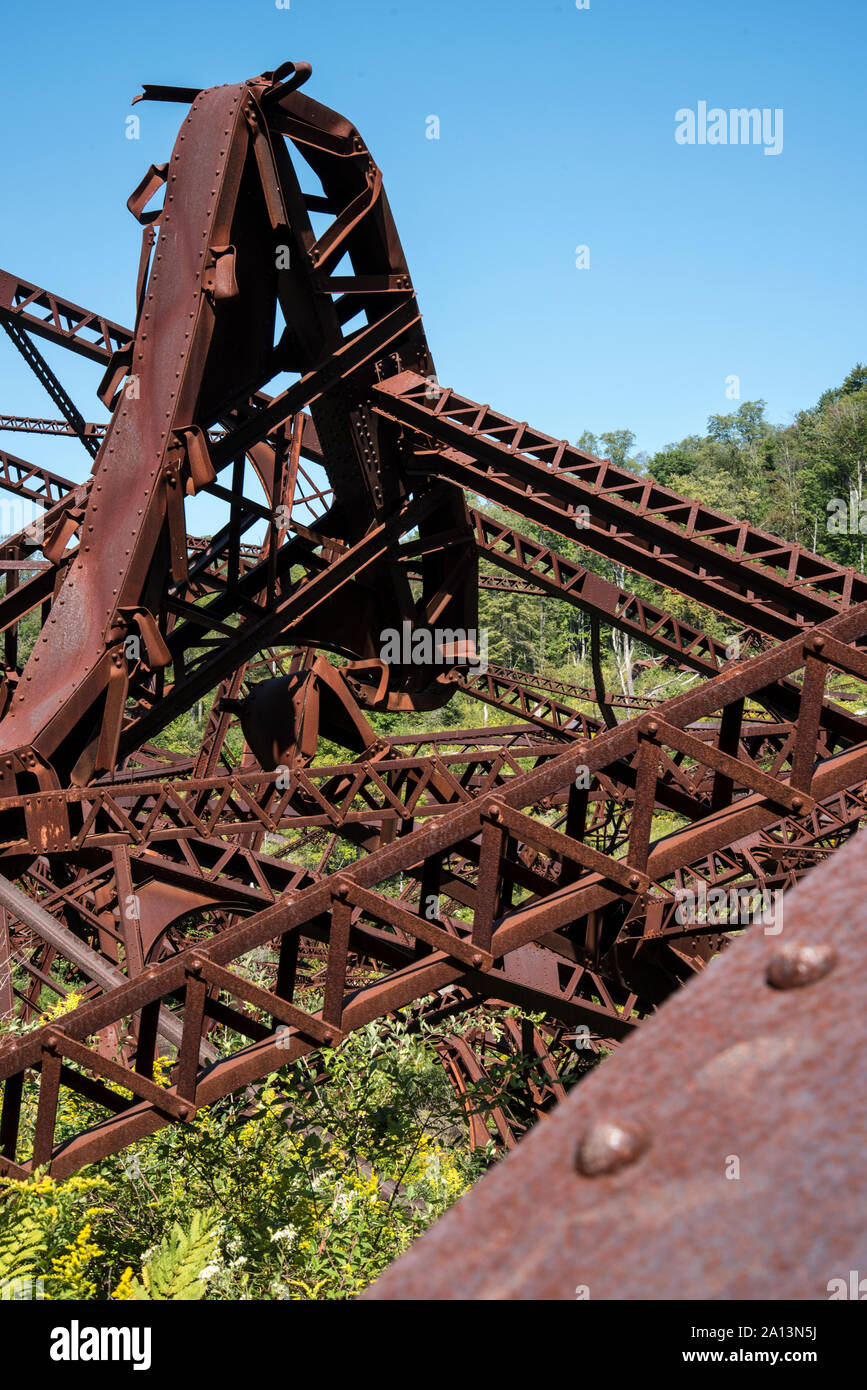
209,1271
341,1205
287,1234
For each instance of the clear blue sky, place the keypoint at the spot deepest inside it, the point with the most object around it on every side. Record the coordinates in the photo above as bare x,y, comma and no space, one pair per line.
556,129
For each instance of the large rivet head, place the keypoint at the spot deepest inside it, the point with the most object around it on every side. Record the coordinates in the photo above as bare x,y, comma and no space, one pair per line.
797,964
607,1146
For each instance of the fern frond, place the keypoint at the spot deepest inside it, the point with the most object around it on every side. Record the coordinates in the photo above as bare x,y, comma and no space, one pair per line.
175,1271
22,1250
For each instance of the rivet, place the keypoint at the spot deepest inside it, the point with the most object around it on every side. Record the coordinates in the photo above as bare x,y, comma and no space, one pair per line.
797,964
607,1146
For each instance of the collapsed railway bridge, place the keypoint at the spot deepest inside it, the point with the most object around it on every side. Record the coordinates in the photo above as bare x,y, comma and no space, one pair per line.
278,365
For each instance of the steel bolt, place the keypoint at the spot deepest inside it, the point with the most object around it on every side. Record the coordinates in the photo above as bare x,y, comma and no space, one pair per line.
607,1146
799,964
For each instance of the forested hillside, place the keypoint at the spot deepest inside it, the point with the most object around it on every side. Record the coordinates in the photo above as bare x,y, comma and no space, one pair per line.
805,481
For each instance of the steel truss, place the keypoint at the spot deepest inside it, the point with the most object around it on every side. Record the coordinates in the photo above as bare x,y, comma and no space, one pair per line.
532,868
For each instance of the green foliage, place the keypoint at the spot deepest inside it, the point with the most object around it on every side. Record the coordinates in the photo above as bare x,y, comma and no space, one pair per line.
306,1187
45,1234
179,1269
781,478
22,1250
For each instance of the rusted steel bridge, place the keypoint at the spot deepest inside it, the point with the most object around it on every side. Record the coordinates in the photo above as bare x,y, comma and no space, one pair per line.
278,365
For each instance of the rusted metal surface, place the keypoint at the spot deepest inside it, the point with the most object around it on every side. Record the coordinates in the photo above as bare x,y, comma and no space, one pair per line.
535,842
49,316
721,1154
30,424
750,575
